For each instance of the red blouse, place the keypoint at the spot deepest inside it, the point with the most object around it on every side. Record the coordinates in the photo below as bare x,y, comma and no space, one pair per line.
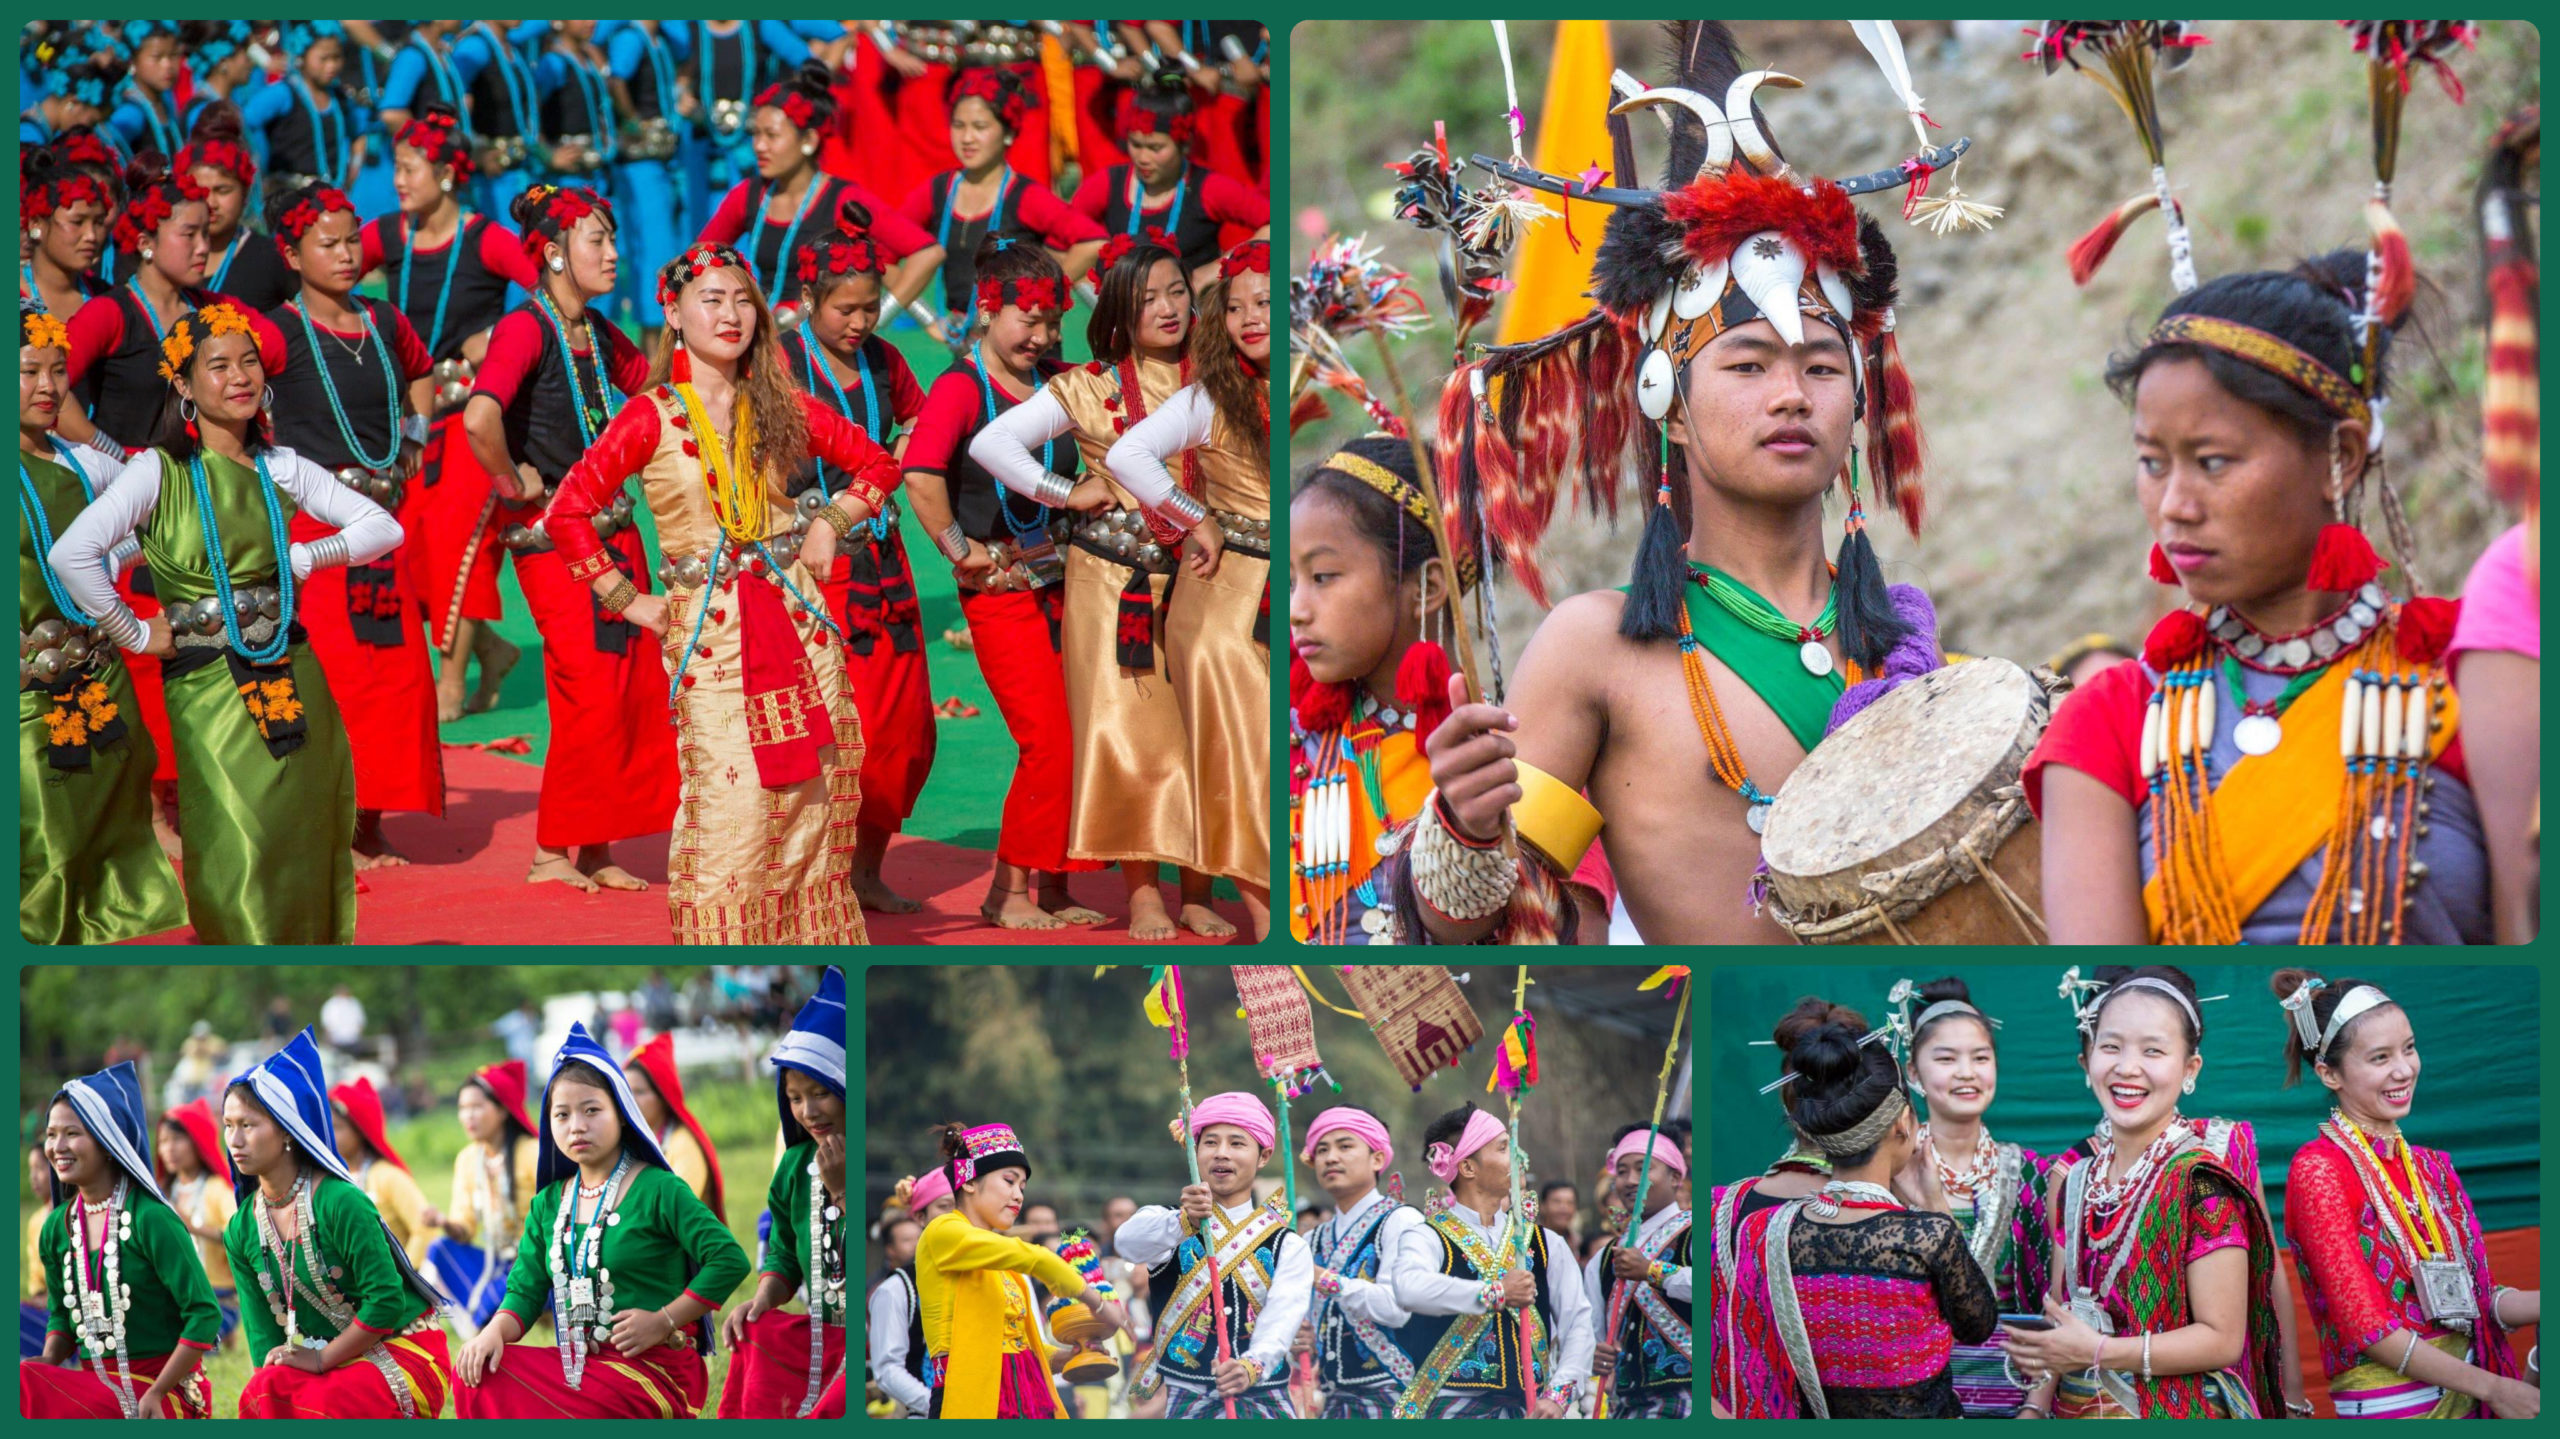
516,346
896,234
1059,225
2354,1278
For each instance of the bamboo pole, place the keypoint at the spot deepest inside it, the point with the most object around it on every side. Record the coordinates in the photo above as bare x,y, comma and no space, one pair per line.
1644,1176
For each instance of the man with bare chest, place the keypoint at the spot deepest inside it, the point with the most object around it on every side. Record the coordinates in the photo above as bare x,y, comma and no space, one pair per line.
1757,308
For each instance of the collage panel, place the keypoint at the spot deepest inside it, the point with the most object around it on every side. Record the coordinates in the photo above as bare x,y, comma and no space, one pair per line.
1924,482
1278,1192
2270,1193
533,1192
623,481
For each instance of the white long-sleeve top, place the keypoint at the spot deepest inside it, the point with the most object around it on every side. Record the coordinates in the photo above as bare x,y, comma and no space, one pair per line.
1141,459
99,469
1421,1288
1371,1299
366,529
1150,1235
889,1319
1595,1275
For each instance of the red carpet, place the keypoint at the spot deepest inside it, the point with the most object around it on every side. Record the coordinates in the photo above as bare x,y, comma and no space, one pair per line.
2515,1257
465,882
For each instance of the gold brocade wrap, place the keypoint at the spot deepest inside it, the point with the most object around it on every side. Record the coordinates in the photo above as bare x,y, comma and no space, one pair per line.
1222,677
748,865
1131,794
2075,1397
2373,1381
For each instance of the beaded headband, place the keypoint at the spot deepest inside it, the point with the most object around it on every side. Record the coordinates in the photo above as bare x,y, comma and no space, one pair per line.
1864,1133
982,1143
1006,101
438,137
226,155
840,259
309,211
1137,119
222,317
1403,493
42,331
1253,255
2260,350
2316,1038
1025,292
1120,247
796,107
699,259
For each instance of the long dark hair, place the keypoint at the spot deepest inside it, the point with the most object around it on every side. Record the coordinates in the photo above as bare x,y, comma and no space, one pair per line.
1239,391
764,382
1111,333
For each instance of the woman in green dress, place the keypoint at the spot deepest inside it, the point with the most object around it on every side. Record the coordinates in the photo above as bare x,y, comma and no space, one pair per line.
791,1366
132,1315
89,871
621,1254
265,783
343,1326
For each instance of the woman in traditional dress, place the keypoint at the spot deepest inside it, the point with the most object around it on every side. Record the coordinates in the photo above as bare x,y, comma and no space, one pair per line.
759,685
1161,188
449,271
791,1366
624,1259
900,1362
89,871
195,1172
364,1144
492,1192
2257,777
356,406
263,770
2411,1323
1994,1191
35,1304
64,213
982,1321
647,178
1218,630
146,118
582,128
840,357
983,195
540,400
790,202
2162,1304
244,265
346,1327
314,131
658,1089
116,336
132,1316
1004,556
1130,796
503,114
1849,1304
219,63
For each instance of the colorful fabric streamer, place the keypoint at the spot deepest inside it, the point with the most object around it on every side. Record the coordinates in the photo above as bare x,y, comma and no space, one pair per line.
1282,1025
1515,1061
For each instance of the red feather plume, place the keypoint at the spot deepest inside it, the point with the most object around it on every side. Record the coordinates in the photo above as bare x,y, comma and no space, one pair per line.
1717,215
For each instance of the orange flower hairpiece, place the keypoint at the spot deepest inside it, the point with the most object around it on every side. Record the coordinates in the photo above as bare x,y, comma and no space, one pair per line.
175,349
223,318
47,332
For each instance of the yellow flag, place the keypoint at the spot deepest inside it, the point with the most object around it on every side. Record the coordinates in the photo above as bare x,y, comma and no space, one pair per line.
1663,976
1573,135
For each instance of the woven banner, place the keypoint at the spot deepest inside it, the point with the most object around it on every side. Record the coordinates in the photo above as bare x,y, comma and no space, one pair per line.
1279,1018
1420,1017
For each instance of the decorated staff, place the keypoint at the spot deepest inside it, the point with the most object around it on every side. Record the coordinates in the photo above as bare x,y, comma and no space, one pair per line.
1165,1011
1650,1142
2125,53
1515,1072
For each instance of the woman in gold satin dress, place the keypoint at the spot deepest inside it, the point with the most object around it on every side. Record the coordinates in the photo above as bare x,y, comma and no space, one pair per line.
768,738
1131,801
1218,630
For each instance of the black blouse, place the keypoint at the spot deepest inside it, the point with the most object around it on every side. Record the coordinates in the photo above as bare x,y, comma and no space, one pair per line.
1906,1246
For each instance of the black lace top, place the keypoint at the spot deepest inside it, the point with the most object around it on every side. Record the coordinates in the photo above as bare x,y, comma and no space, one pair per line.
1884,1301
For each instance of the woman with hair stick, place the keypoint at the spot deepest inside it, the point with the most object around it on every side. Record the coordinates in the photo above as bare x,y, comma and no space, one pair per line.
1129,801
1218,629
759,685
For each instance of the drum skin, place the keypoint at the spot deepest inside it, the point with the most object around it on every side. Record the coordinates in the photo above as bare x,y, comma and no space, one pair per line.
1882,833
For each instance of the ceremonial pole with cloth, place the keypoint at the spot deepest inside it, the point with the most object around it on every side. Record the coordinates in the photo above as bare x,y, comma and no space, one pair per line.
1515,1072
1676,976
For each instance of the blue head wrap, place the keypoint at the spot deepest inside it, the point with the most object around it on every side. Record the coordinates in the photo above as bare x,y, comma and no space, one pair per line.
300,35
84,82
552,1162
815,1047
110,1107
222,44
126,36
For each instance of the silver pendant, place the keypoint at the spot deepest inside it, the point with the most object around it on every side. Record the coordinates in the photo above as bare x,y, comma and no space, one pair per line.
1757,816
2257,734
834,1213
1817,660
1372,922
582,1295
2444,1287
613,1219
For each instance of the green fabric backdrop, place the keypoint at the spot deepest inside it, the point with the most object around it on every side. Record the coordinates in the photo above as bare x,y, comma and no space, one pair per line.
2479,1039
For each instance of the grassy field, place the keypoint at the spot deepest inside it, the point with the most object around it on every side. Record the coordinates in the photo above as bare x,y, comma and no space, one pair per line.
741,1120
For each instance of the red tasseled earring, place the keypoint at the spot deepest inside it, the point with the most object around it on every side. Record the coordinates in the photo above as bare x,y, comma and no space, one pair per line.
680,364
1321,708
2343,560
2161,572
1422,686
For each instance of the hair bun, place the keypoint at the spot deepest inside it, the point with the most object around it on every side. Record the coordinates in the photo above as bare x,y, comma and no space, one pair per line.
853,217
527,205
1810,1012
438,112
1938,990
813,79
219,120
2285,981
1825,1057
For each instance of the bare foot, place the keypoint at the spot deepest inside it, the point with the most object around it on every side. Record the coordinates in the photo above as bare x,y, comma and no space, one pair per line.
559,867
1201,920
167,834
1015,909
1148,922
449,697
382,858
372,851
875,894
1055,899
496,661
597,864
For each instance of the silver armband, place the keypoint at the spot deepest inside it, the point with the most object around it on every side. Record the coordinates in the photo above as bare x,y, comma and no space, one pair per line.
1053,488
1183,508
125,628
413,429
1462,881
953,544
327,552
125,549
1231,47
99,442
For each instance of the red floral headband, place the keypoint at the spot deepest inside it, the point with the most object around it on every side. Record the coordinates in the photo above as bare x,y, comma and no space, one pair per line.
838,259
1025,293
1137,119
309,211
152,205
228,156
64,192
795,106
1118,247
439,139
699,259
561,210
1253,255
83,147
1006,101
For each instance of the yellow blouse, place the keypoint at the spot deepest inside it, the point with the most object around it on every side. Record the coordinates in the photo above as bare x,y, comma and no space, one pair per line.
475,1191
684,1156
395,1192
30,1257
977,1307
209,1207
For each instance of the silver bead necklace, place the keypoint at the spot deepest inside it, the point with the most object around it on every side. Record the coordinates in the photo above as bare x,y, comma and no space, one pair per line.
100,1295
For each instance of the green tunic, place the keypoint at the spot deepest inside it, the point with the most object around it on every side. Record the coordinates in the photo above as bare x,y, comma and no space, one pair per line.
268,858
786,1252
355,1252
172,1300
668,1242
89,869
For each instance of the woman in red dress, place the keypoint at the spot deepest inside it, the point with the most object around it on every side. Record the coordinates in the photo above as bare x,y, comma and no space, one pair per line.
985,195
1161,188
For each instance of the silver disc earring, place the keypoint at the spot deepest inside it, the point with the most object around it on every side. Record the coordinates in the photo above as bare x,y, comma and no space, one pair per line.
2187,1088
446,184
558,264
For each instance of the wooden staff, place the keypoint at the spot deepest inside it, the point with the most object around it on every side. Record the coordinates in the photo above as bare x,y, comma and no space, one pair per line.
1644,1176
1191,1152
1522,1222
1430,486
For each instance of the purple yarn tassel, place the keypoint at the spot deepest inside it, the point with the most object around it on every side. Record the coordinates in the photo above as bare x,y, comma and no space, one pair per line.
1915,656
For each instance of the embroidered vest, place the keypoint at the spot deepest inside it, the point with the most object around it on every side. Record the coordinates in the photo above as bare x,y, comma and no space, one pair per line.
1493,1366
918,1361
1647,1360
1341,1357
1191,1353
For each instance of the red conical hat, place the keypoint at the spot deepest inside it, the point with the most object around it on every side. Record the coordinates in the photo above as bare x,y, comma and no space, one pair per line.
657,1060
506,1080
364,1111
196,1118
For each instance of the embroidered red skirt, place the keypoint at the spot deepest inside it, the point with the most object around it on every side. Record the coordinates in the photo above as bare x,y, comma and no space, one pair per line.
1022,1390
668,1382
1015,635
456,555
769,1373
355,1390
386,693
610,772
893,692
49,1391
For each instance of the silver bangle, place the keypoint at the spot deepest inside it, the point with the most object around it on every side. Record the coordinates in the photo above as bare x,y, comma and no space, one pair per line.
953,544
2146,1356
1461,881
2402,1368
1052,488
413,429
327,551
99,442
128,630
1183,508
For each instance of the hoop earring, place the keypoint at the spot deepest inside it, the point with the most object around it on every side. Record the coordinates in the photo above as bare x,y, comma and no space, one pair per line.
186,409
267,400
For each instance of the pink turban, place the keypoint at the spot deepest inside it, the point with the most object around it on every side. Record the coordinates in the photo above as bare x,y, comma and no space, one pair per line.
1482,1129
1662,1147
933,1185
1240,1109
1360,1122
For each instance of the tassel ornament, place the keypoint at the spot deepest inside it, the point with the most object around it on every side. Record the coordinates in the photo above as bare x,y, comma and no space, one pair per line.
2343,560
